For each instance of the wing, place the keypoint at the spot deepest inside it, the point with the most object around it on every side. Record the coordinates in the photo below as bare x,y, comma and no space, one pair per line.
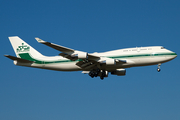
68,52
88,61
57,47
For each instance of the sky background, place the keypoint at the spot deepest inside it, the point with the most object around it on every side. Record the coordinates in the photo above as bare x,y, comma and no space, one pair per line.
91,26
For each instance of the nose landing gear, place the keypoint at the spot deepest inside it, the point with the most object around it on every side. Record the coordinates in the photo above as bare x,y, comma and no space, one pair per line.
158,69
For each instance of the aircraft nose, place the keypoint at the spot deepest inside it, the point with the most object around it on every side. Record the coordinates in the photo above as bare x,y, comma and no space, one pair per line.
175,55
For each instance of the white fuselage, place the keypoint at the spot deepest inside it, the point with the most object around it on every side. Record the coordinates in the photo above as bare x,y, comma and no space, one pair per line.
139,56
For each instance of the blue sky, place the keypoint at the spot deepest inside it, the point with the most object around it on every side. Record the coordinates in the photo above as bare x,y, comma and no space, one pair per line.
92,26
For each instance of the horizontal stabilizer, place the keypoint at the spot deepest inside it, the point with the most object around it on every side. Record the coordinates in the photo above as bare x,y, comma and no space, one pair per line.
18,59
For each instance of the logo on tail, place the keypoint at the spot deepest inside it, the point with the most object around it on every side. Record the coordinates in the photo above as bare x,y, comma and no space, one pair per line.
23,48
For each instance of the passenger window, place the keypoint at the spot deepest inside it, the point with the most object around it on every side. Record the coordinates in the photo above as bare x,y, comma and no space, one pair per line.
125,50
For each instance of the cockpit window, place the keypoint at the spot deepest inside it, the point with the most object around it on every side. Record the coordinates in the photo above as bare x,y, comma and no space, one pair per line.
162,48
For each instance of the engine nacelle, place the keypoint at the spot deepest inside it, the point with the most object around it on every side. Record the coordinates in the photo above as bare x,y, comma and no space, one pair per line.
110,62
82,55
119,72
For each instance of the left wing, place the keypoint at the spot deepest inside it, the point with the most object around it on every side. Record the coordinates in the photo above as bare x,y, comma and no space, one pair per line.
69,53
88,60
57,47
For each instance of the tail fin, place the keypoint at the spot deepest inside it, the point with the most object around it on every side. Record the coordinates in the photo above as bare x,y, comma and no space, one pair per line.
21,48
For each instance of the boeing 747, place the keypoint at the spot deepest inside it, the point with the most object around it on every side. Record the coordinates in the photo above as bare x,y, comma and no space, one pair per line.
94,64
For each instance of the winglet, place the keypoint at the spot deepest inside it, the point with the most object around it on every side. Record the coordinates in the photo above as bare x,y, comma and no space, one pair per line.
39,40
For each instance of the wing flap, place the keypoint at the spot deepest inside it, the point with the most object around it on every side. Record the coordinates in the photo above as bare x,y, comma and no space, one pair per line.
93,57
68,56
83,64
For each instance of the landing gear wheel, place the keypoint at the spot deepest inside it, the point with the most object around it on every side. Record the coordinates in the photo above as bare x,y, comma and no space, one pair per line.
91,74
158,69
96,74
101,77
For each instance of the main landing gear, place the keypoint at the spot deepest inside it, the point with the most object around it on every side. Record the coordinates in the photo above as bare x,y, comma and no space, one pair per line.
94,73
158,69
103,74
97,72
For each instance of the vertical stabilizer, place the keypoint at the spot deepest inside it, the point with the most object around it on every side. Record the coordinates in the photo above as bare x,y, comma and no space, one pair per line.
21,47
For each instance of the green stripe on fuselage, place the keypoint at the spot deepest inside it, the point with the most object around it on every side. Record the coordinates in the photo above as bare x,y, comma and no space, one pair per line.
142,55
28,57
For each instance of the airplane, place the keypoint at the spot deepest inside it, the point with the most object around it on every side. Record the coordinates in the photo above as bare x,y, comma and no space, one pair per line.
94,64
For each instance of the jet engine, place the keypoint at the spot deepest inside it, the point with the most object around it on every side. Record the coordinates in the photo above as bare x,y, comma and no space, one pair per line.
119,72
110,62
82,55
